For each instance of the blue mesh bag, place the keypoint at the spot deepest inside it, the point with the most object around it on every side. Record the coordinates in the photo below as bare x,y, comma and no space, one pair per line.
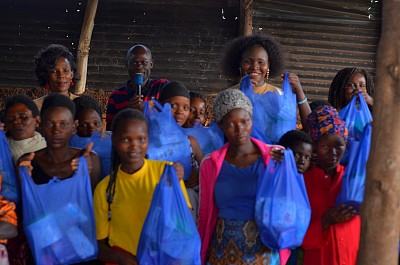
283,211
356,115
58,218
273,114
9,187
209,138
167,141
101,146
353,182
169,234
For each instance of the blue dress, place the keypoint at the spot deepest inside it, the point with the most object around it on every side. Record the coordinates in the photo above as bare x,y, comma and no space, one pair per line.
236,239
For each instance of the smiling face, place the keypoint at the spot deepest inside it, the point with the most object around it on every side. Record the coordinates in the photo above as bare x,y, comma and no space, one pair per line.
139,61
330,149
20,122
357,83
57,126
130,140
197,112
60,76
237,126
89,121
180,108
255,63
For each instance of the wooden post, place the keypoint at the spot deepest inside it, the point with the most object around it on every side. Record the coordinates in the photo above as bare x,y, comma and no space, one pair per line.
380,214
84,45
246,17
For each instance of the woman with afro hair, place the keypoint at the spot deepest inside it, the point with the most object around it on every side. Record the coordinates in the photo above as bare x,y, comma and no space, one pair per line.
260,57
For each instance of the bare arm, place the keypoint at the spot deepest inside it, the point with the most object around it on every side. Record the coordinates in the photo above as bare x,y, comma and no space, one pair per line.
304,107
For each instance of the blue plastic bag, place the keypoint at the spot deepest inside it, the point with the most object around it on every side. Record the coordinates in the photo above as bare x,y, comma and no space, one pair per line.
209,138
169,234
353,182
167,141
101,146
9,188
273,114
283,211
58,218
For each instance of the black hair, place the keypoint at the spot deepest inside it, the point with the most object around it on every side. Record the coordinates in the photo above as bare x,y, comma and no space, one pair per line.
338,86
173,89
86,102
197,95
233,51
46,59
317,103
290,137
123,115
21,99
57,100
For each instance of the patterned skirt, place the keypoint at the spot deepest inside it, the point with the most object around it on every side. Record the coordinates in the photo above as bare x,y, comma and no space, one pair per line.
237,242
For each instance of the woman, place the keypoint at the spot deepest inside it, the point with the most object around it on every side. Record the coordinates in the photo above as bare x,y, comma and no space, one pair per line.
226,216
347,83
261,58
333,235
55,70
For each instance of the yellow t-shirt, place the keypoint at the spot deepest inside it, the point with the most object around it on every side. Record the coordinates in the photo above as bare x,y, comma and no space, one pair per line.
39,101
132,199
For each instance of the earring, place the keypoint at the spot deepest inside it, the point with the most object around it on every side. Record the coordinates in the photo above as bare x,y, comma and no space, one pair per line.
268,74
47,86
240,71
71,84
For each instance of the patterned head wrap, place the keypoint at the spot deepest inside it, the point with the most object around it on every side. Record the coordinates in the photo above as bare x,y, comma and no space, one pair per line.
325,120
228,100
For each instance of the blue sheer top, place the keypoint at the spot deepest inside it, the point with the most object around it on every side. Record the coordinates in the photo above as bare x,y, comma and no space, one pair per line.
235,190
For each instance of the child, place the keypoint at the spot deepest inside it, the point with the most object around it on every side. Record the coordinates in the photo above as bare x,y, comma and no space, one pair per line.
197,110
89,129
301,145
333,235
176,94
122,200
228,182
22,118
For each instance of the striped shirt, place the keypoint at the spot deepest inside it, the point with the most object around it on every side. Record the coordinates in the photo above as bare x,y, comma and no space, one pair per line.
119,99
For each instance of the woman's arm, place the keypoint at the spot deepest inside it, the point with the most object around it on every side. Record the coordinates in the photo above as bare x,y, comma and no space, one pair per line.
109,255
301,99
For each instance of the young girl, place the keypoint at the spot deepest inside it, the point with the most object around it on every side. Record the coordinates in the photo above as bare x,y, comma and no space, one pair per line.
228,185
122,200
333,235
22,118
55,70
197,110
176,94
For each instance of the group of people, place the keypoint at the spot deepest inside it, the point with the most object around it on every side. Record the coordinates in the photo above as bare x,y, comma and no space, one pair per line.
222,185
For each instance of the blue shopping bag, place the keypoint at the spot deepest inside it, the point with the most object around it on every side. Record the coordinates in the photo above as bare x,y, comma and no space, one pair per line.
101,146
167,141
209,138
169,234
353,182
58,218
9,187
273,114
283,211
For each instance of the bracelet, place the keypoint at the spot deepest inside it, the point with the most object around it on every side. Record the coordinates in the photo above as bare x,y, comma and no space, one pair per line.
303,101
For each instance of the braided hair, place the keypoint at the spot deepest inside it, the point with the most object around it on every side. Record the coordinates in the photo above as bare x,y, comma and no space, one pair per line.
337,89
233,51
86,102
119,120
290,137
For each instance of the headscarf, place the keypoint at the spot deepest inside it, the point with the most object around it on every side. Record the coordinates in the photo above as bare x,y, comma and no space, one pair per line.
325,120
228,100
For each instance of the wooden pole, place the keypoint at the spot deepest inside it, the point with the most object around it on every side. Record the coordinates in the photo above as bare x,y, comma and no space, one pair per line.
246,17
380,214
84,45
